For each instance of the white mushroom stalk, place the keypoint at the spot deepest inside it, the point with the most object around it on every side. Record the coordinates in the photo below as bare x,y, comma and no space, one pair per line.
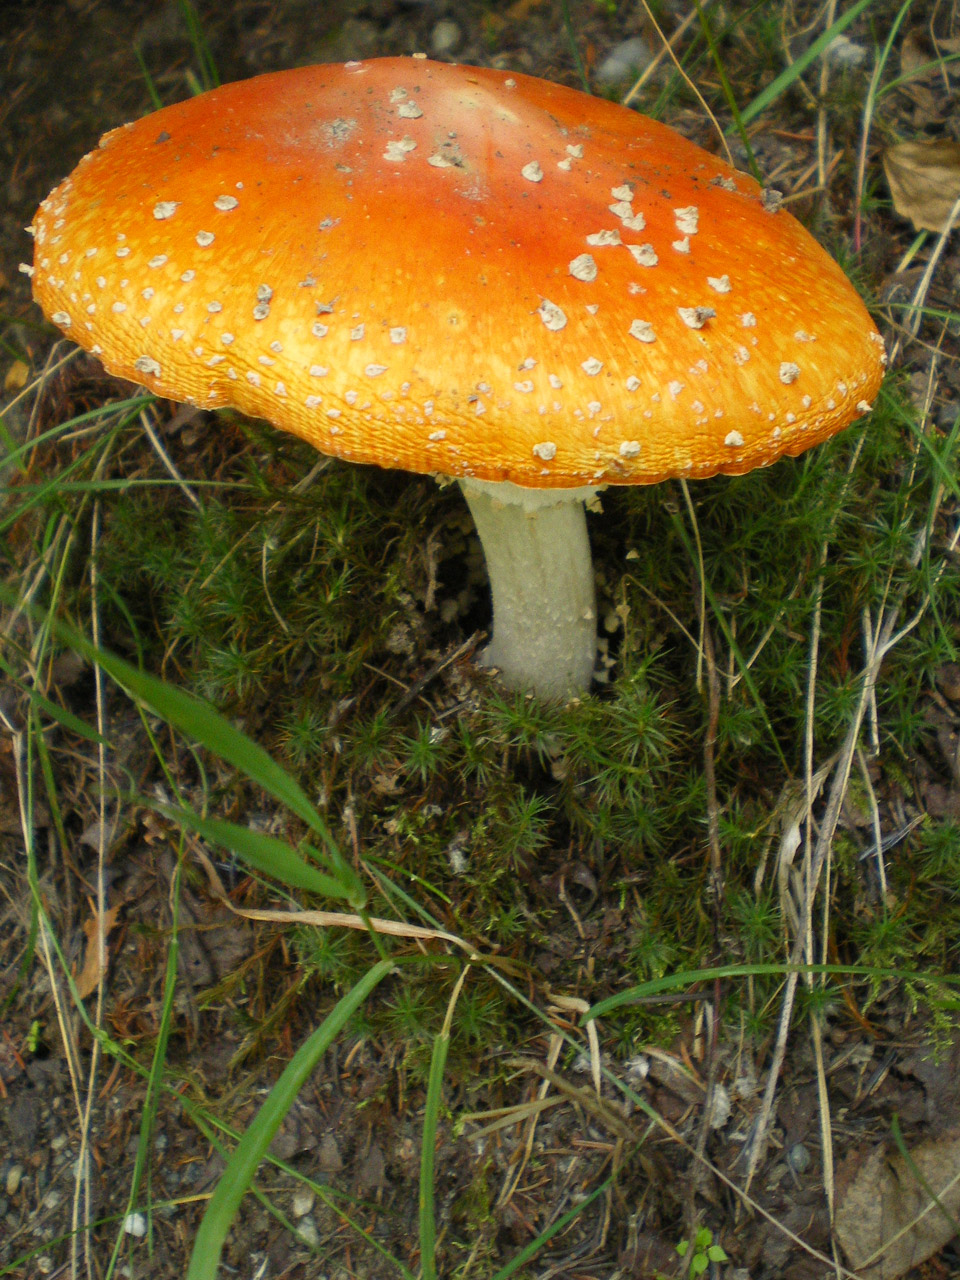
541,578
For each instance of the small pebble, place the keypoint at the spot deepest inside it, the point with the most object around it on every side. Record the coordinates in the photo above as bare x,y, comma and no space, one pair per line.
845,53
307,1233
720,1111
445,36
14,1175
799,1158
303,1202
624,61
135,1224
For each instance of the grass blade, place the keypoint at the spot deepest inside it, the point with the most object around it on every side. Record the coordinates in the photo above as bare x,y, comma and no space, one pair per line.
272,856
796,69
428,1149
204,724
240,1170
533,1248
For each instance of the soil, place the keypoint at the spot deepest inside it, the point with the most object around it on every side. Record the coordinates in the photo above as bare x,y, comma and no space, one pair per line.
70,72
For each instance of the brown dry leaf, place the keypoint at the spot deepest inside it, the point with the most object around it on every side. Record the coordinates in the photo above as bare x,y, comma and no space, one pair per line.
921,59
92,970
924,180
16,376
521,9
884,1202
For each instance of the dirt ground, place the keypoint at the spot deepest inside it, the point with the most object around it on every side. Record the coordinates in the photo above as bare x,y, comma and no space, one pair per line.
69,73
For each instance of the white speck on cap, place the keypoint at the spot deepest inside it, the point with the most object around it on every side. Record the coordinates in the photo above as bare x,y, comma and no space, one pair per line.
583,268
682,246
733,440
397,149
375,370
633,383
205,238
165,209
675,388
575,149
551,315
687,220
147,364
409,111
748,320
604,237
629,449
623,192
554,381
532,171
319,330
642,330
592,366
62,319
357,332
696,317
526,386
789,372
546,450
864,406
123,252
158,260
644,254
802,336
398,335
721,284
225,203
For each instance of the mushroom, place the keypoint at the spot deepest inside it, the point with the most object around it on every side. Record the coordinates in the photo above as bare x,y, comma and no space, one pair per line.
468,273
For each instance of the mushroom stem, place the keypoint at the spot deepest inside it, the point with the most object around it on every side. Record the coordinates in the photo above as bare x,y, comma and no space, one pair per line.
541,578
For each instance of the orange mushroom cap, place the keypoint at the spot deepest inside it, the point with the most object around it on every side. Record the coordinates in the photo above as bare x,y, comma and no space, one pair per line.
456,270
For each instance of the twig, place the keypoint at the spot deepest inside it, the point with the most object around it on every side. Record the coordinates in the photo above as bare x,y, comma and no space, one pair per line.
167,460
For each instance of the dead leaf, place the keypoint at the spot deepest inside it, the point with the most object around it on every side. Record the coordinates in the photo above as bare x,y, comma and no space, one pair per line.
924,179
921,59
94,965
884,1203
16,377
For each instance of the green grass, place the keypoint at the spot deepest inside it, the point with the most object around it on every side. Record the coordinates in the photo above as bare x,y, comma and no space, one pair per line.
267,636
